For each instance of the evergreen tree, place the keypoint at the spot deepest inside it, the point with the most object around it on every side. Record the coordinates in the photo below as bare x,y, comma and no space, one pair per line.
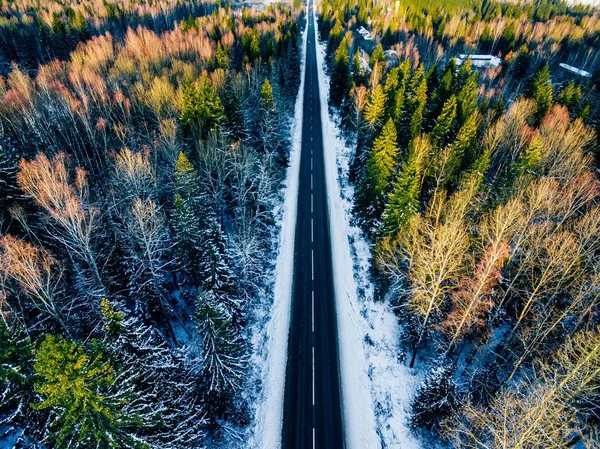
270,134
201,107
570,96
222,58
375,108
530,158
378,171
216,270
358,73
436,398
466,99
224,358
168,399
403,201
77,388
541,90
415,107
187,182
187,238
341,72
445,125
442,94
16,374
377,55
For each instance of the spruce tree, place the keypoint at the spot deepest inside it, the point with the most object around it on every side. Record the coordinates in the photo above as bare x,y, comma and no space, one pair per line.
415,108
164,380
224,358
187,238
542,91
403,202
466,99
375,108
378,171
436,398
530,158
341,72
445,125
216,270
77,388
201,107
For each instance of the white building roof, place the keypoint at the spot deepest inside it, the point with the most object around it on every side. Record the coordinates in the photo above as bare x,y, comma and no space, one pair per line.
575,70
480,61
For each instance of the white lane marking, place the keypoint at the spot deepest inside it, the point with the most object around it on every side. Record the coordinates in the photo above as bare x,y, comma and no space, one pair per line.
313,375
311,167
312,263
312,231
313,438
311,181
313,311
311,205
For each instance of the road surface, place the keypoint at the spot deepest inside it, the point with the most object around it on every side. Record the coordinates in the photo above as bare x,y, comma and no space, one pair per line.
312,410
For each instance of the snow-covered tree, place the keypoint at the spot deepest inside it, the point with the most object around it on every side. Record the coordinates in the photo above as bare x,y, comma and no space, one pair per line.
224,349
436,397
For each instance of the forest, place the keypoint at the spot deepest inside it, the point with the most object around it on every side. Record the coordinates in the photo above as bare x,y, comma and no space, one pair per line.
142,149
477,189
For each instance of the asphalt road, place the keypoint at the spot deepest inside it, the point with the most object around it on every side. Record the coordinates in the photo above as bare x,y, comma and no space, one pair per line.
312,409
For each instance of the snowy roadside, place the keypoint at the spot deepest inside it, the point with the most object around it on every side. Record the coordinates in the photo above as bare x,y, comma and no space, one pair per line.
371,370
273,340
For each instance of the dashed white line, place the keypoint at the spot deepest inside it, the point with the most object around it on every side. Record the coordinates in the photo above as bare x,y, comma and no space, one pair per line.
313,376
312,263
312,230
312,302
311,181
311,207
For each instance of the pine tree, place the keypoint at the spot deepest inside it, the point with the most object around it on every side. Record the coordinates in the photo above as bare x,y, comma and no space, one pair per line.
436,398
341,72
415,106
375,108
466,99
187,183
216,270
168,400
224,358
187,237
403,201
76,387
541,90
201,107
530,159
16,374
445,125
378,171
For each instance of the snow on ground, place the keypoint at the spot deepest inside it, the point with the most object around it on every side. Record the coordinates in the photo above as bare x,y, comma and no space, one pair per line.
273,361
371,369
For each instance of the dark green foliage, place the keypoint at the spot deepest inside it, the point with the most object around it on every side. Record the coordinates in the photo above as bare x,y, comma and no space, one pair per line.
436,398
223,348
403,202
542,91
442,132
201,107
380,166
341,72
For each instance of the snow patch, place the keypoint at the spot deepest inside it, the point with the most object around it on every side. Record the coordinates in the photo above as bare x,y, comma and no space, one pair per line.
269,411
